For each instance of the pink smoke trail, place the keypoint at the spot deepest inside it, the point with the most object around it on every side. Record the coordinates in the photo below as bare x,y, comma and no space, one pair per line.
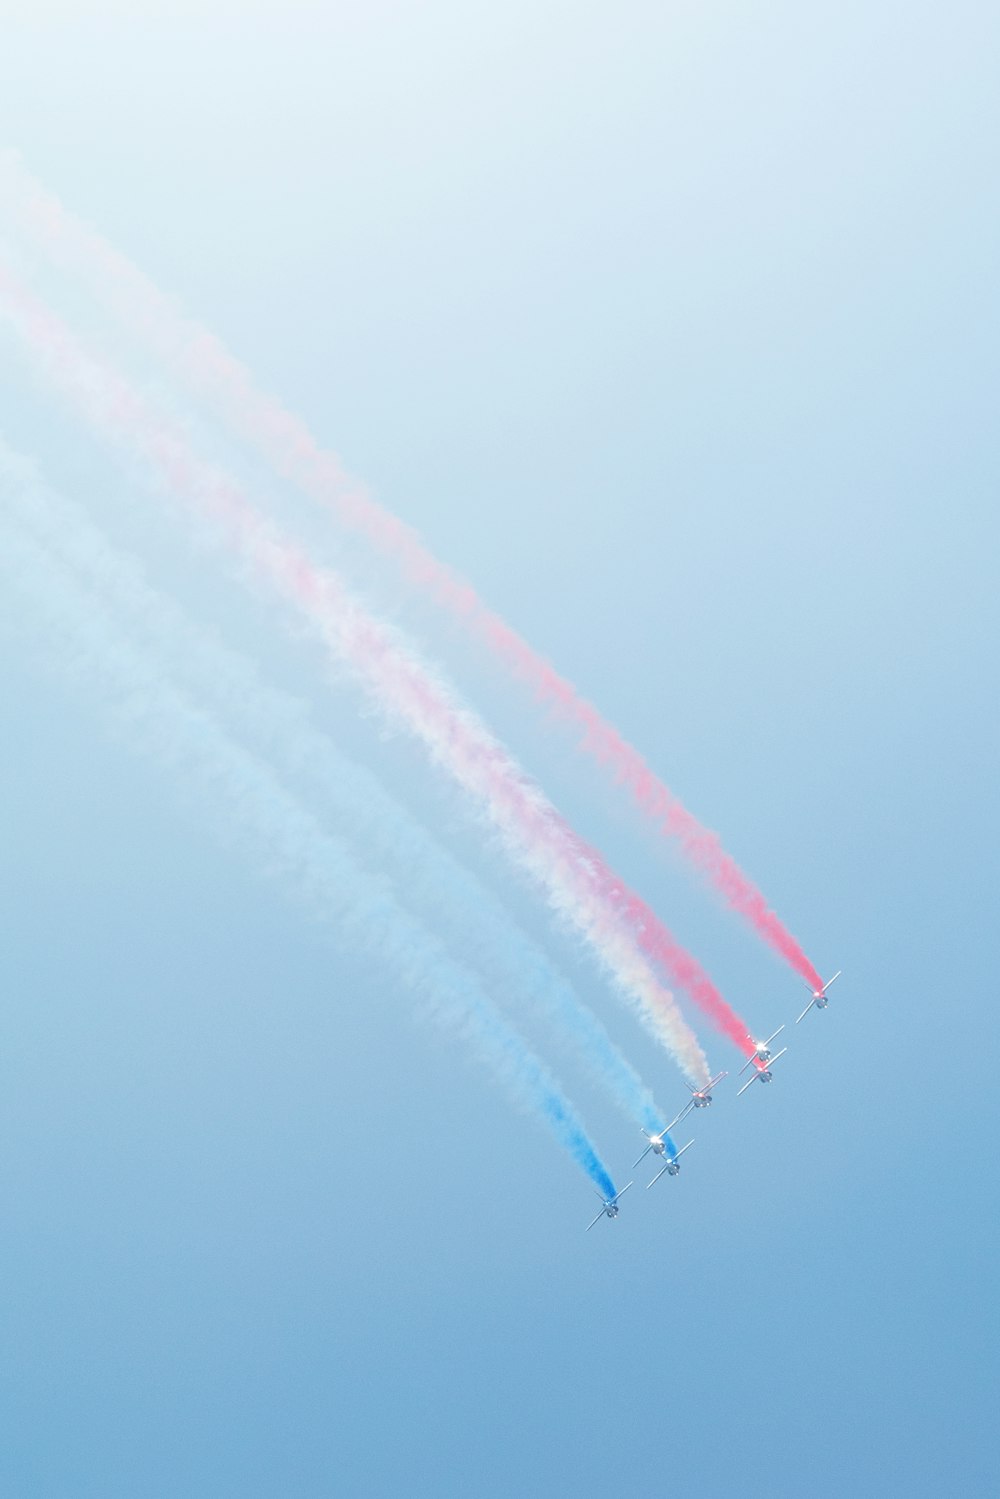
289,446
579,885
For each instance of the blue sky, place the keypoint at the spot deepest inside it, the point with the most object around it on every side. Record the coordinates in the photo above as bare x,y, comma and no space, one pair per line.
675,329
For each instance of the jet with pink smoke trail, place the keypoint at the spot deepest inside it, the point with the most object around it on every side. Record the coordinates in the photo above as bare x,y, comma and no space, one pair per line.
284,439
578,885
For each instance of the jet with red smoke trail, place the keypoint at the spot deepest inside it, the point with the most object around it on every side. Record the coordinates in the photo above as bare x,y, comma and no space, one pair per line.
762,1049
763,1073
820,998
286,442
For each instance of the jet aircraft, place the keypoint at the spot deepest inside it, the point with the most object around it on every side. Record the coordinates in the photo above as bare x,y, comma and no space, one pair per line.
657,1143
761,1049
672,1167
820,998
609,1206
700,1097
763,1073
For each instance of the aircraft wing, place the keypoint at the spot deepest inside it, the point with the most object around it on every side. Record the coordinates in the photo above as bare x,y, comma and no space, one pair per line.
655,1179
777,1056
596,1220
805,1012
748,1063
749,1083
645,1153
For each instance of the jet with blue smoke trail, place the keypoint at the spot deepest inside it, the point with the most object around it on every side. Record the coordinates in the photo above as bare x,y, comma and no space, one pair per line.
609,1207
661,1143
672,1166
279,726
179,735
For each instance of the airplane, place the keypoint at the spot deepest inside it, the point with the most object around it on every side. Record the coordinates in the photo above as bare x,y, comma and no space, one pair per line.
672,1166
762,1049
609,1207
820,998
657,1143
700,1097
763,1074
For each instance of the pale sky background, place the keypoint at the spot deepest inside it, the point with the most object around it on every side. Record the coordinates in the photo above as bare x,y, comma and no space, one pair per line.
675,328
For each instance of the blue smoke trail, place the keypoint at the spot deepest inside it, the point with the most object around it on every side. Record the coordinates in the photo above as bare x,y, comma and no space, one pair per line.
434,881
177,733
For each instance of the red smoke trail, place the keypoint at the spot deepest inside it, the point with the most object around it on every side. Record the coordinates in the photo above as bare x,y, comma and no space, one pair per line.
293,452
580,884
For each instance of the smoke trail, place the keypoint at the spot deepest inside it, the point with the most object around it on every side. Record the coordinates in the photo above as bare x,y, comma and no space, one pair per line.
284,439
578,885
184,738
374,822
669,1146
